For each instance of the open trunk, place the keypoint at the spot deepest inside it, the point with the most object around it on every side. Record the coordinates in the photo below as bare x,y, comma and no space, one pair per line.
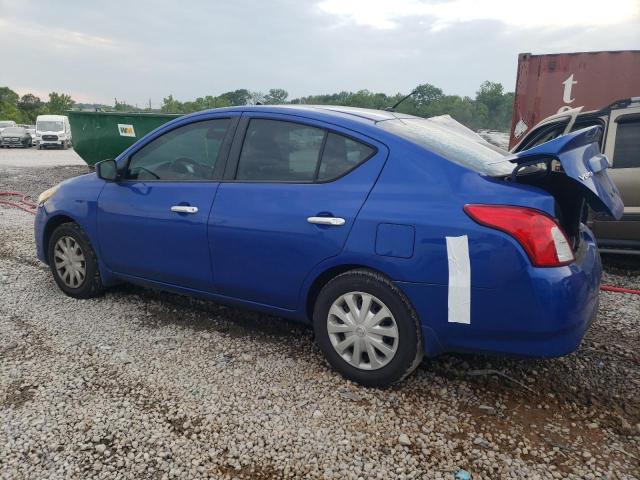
572,169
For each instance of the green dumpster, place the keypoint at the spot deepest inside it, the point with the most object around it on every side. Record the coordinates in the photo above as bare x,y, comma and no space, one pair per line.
102,135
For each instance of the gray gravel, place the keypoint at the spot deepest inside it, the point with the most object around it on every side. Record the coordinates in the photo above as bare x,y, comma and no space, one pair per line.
141,384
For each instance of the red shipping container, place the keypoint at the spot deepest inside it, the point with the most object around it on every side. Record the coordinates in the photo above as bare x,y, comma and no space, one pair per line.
547,84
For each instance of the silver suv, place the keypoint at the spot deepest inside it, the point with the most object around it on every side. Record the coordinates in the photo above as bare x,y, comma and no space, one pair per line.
621,144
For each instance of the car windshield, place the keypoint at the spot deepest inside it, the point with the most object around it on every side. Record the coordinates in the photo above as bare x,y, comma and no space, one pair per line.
453,141
50,126
14,130
6,124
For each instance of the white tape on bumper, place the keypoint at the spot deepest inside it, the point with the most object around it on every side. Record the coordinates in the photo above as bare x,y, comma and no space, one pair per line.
459,280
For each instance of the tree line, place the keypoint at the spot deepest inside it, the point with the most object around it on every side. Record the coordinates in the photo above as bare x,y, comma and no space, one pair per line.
490,109
25,109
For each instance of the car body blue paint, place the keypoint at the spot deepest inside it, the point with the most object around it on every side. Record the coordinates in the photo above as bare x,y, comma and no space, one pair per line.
251,245
171,247
394,240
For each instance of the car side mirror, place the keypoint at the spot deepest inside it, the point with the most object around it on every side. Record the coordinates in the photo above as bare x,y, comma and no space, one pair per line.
107,170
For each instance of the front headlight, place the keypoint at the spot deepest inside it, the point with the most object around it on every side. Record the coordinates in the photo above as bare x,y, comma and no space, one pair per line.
47,194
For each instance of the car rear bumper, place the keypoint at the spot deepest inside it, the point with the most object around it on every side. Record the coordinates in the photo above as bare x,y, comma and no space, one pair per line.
546,313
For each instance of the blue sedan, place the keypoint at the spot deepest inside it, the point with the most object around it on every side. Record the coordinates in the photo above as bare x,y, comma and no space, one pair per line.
394,236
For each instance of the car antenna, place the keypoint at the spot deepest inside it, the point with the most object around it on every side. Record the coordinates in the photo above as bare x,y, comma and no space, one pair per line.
393,108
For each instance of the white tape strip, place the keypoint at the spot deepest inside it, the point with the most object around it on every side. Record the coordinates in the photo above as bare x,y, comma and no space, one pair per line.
459,280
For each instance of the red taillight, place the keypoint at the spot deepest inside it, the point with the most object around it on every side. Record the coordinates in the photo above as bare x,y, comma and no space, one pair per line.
538,233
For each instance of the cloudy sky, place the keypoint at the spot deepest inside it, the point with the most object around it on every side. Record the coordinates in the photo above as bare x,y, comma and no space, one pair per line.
139,50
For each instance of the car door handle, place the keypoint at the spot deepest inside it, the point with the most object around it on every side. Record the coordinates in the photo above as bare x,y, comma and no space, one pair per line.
335,221
184,209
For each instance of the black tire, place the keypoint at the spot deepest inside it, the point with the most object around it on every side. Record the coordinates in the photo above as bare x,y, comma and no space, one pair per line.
91,285
409,352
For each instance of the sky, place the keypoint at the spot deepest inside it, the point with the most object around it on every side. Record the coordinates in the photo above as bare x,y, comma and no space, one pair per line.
142,50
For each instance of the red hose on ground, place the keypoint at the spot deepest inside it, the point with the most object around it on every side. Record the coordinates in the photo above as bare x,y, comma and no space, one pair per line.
611,288
22,203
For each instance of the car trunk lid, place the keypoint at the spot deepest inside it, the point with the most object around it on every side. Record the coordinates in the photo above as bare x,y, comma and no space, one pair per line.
577,156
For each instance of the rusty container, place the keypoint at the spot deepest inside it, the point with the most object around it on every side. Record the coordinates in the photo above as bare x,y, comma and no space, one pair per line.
547,84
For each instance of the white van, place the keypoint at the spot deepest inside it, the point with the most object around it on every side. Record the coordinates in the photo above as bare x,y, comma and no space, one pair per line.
53,130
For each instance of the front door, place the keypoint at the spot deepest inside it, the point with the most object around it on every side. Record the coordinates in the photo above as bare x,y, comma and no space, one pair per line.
153,221
292,193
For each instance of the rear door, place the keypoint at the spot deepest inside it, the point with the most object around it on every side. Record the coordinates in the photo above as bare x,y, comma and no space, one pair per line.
292,190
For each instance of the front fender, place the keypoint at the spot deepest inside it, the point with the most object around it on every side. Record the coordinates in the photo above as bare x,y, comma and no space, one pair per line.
77,201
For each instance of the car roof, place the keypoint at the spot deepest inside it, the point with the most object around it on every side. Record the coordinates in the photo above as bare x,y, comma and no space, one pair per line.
321,112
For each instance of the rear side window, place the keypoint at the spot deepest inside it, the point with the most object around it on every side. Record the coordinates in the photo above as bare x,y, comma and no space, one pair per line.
186,153
340,155
626,153
281,151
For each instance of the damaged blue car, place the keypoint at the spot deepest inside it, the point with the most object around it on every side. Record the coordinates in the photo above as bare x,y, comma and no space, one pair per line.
394,236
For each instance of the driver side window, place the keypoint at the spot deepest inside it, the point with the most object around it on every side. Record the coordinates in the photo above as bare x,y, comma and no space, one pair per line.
187,153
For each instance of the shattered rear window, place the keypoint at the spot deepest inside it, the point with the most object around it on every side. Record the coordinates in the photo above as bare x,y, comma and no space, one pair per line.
455,144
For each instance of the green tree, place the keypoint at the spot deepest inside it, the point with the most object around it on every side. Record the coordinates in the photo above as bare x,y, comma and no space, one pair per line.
237,97
59,103
30,107
498,105
124,107
171,105
9,105
276,96
426,94
256,98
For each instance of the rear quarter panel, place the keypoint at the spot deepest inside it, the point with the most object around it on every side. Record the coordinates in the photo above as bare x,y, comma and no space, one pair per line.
426,192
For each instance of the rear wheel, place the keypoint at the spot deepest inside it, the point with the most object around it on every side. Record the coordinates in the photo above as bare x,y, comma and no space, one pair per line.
367,329
73,262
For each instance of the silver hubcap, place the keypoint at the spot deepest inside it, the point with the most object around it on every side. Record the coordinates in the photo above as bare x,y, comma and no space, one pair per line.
362,330
69,261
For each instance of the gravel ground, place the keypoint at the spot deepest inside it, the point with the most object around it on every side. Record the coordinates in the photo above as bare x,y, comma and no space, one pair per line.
141,384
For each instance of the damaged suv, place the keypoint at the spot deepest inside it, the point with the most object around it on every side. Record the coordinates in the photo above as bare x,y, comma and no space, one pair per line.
394,236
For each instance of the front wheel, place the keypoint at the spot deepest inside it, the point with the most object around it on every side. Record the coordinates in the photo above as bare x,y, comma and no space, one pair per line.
367,329
73,262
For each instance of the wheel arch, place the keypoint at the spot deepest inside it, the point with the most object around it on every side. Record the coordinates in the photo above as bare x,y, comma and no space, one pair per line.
53,223
325,277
